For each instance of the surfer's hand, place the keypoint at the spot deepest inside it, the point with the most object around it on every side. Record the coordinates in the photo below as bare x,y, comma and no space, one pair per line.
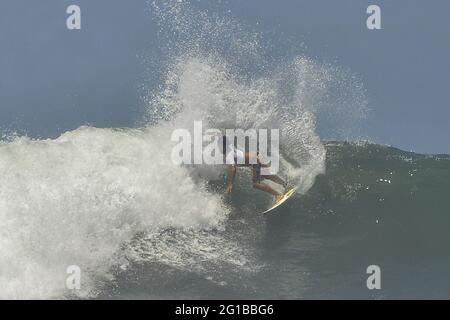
229,188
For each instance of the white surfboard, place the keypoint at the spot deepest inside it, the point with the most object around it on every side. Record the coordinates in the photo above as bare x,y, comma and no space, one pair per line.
286,196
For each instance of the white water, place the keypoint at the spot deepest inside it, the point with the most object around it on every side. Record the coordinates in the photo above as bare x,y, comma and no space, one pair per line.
76,199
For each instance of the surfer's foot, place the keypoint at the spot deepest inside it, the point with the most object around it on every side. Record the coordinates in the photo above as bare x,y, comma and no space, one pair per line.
278,197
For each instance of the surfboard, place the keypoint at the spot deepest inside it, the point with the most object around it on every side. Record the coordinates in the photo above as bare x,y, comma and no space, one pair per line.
286,196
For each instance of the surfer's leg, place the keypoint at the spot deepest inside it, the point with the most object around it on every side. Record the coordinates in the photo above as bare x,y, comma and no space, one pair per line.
262,186
276,179
266,188
272,177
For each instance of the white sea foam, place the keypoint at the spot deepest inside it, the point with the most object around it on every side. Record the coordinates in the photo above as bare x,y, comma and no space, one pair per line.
74,200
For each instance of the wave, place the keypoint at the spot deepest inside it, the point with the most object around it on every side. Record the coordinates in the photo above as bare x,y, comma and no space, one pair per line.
397,199
76,199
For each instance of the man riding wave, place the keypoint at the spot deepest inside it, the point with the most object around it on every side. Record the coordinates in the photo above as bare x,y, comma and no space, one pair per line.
235,158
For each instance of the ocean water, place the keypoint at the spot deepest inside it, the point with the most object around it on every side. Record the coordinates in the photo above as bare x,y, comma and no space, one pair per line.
376,205
146,231
111,201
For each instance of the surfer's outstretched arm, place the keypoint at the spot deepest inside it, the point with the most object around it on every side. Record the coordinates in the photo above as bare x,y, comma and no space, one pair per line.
230,177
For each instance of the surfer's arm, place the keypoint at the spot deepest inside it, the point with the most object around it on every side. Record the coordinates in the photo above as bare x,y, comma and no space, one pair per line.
230,177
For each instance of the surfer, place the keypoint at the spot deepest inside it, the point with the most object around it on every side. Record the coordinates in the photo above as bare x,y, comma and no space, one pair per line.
236,158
